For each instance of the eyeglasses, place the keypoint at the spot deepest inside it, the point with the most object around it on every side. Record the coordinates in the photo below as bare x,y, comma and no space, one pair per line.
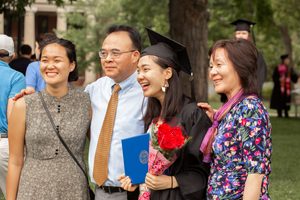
113,53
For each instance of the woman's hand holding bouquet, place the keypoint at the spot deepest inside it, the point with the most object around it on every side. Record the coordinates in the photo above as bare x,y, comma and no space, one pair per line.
165,143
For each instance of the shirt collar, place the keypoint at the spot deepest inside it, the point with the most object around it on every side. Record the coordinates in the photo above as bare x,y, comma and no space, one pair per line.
126,84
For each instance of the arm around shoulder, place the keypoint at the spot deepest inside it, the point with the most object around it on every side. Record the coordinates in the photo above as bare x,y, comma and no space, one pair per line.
16,137
192,180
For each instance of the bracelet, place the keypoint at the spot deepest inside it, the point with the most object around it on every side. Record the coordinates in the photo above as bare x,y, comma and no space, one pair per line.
171,182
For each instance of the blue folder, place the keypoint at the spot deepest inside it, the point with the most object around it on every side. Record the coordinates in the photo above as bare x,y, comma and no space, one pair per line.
135,154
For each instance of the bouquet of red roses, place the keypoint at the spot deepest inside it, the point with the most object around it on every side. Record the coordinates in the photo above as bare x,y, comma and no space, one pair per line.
165,142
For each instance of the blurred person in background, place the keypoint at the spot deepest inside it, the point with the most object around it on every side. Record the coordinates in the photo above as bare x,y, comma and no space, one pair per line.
12,82
244,30
283,77
21,63
34,79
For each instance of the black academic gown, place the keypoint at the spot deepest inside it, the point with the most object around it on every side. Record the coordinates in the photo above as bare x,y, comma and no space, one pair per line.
261,72
278,100
190,172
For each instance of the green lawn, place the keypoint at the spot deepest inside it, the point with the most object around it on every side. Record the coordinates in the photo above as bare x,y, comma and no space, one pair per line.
285,177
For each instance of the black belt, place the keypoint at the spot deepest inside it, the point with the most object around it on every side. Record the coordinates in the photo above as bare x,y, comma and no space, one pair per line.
111,189
3,135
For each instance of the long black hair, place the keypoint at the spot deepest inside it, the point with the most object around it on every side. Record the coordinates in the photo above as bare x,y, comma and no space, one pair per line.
173,100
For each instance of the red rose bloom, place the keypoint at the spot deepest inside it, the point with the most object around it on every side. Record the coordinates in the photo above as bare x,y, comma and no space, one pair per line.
170,138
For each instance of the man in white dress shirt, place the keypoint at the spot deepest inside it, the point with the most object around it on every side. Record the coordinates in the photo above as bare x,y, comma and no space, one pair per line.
119,56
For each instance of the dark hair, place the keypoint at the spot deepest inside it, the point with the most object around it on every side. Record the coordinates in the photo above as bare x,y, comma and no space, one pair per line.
283,57
243,55
71,53
132,32
44,38
25,49
173,100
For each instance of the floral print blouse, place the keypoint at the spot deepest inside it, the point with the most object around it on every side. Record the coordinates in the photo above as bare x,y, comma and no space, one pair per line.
242,146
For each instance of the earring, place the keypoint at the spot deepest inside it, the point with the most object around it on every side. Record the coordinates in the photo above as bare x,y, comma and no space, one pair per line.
164,88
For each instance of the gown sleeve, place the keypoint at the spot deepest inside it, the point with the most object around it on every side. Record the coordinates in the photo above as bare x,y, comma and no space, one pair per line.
294,76
192,178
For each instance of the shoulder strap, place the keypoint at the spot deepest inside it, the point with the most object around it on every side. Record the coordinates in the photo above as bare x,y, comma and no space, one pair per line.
59,136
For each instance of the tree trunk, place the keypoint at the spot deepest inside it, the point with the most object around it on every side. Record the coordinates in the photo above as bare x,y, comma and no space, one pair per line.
188,25
287,41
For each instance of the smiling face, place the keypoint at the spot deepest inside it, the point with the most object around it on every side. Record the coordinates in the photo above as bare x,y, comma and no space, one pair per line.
152,77
223,74
242,35
55,65
121,67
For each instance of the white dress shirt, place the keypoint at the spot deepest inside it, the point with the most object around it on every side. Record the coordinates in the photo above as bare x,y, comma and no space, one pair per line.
128,122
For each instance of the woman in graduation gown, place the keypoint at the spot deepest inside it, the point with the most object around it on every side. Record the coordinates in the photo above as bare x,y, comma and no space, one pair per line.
158,70
283,78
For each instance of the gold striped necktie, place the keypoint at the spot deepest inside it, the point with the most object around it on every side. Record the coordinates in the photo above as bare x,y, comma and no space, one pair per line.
104,141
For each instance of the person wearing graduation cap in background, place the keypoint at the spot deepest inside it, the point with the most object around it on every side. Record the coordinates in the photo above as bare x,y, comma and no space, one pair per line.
158,74
243,30
283,76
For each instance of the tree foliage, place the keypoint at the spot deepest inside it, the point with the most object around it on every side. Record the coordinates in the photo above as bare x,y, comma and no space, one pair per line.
140,14
18,6
15,5
286,18
86,27
188,25
270,16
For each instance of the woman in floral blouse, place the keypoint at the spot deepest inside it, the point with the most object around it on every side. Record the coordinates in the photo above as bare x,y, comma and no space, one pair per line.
239,142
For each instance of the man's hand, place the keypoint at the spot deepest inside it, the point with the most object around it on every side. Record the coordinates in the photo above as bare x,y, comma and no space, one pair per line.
27,91
126,183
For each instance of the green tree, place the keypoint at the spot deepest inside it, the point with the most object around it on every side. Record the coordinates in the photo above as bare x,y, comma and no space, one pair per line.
222,13
189,25
194,23
276,31
87,26
184,21
86,29
157,15
18,6
140,14
17,9
286,19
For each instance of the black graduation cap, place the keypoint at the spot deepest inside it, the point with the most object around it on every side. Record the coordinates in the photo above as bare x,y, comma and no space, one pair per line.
242,25
284,56
166,48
